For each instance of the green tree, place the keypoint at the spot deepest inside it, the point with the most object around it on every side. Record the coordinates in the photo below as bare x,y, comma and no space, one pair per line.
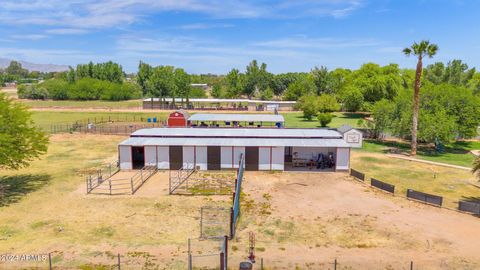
162,82
308,104
233,83
420,50
301,87
474,84
217,91
57,89
353,100
327,103
20,141
144,73
15,69
323,80
257,79
182,83
382,115
324,118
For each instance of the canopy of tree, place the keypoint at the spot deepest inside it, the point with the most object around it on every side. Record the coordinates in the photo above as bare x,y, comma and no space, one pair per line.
20,141
447,112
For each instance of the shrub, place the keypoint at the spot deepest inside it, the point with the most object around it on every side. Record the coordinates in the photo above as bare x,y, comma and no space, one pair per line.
32,92
324,118
57,89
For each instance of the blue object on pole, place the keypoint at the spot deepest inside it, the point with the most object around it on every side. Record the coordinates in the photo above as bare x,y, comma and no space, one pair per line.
149,120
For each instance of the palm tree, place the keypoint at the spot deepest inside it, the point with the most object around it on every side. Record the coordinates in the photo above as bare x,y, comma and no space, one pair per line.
476,167
420,50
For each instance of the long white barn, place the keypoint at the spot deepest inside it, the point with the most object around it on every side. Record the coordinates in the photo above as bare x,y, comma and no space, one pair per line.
215,149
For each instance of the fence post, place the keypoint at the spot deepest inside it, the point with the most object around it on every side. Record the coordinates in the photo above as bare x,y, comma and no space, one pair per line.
131,184
411,265
225,239
201,222
118,261
50,261
222,262
261,264
110,185
335,264
189,255
232,225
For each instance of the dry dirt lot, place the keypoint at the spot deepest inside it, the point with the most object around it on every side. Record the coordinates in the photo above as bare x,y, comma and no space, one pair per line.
306,220
301,220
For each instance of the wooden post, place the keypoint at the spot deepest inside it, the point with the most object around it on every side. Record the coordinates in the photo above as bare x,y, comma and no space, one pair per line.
411,265
335,264
118,261
50,261
261,264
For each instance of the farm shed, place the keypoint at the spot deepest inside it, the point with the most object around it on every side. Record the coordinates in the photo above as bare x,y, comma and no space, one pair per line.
236,120
214,149
218,104
353,137
178,119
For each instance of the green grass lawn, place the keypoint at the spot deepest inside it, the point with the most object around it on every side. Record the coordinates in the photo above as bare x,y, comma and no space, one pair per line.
452,184
97,104
456,153
296,120
44,119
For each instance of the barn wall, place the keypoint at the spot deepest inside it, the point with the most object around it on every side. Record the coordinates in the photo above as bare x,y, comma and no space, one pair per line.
343,159
201,156
125,157
150,155
226,157
163,157
237,151
278,156
264,158
188,156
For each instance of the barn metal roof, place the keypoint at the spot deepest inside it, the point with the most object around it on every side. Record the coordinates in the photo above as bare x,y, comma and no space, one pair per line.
237,117
143,141
231,133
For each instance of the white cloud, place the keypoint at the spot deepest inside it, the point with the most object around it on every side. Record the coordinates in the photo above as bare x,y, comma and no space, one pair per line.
202,26
66,31
112,13
29,37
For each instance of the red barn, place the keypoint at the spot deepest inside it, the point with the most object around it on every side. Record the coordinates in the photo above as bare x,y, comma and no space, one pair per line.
178,119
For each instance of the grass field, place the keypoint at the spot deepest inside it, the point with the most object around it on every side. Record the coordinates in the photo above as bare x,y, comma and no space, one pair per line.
45,209
90,104
296,120
457,153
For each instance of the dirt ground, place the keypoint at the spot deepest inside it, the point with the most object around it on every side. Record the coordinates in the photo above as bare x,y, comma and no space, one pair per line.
306,220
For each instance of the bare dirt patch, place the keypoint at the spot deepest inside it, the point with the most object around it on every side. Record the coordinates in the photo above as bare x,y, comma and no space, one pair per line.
306,220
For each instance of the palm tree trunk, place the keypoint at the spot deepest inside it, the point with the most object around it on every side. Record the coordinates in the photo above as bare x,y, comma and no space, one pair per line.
416,105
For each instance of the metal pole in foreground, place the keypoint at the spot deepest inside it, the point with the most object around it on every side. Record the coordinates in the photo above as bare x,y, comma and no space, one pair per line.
50,261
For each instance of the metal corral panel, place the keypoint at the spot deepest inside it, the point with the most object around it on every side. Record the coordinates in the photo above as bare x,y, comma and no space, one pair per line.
163,157
306,142
150,155
343,159
312,152
231,133
224,100
188,156
125,157
278,156
201,157
221,117
226,157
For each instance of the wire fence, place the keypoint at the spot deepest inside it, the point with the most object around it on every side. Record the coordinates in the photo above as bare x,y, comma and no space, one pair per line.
208,253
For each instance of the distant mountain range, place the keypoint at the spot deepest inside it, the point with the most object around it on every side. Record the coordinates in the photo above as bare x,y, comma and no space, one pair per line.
4,62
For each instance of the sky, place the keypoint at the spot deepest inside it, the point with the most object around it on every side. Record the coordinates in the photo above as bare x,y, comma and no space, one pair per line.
214,36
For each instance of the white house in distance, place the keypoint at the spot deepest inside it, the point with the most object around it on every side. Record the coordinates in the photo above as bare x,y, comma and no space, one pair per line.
352,136
221,148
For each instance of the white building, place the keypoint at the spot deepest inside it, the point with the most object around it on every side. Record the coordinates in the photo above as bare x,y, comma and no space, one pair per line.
352,136
221,148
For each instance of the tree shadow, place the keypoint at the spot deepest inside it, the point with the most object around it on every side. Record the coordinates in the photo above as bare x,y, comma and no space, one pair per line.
14,187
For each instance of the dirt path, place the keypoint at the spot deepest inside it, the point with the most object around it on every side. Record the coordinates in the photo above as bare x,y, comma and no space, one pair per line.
429,162
315,218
